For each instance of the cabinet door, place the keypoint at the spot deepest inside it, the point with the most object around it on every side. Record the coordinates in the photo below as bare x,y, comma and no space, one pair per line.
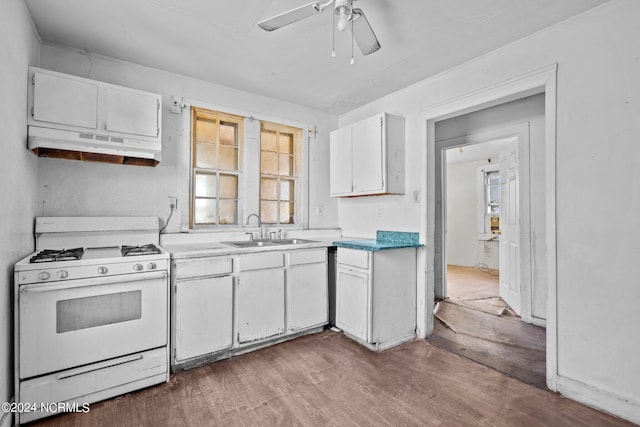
65,100
132,112
352,302
340,162
260,304
203,315
308,296
368,155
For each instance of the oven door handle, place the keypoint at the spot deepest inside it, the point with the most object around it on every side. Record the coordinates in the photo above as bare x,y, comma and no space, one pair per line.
109,364
94,281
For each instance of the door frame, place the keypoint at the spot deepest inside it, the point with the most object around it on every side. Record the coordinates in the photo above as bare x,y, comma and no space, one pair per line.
543,80
520,135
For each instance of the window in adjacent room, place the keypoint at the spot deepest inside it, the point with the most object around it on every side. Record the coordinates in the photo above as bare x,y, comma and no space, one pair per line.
215,174
488,201
279,171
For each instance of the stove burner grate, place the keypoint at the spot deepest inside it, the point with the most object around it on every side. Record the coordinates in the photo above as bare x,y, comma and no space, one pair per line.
149,249
52,255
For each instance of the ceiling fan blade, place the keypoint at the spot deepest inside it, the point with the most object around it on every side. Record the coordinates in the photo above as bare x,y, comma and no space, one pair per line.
363,33
292,16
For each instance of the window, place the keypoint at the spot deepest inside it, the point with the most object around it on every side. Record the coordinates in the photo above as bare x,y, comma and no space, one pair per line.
279,164
488,201
215,139
492,192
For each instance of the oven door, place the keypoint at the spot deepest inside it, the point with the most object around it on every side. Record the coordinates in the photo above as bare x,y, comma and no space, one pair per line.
71,323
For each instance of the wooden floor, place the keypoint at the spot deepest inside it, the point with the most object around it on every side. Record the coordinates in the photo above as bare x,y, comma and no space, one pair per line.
468,324
327,379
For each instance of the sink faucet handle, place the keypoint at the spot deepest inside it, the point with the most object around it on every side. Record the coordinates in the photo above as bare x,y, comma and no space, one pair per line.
250,236
279,233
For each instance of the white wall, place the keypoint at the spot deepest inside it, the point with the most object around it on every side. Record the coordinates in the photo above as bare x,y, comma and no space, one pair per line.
69,187
19,48
598,123
462,245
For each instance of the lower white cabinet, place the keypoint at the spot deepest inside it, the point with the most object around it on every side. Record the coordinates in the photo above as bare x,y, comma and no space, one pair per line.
223,305
204,320
260,304
308,296
352,302
376,295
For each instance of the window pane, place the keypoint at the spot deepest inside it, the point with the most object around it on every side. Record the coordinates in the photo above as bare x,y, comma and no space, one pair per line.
286,165
205,211
286,213
228,158
228,186
205,185
228,134
268,140
228,211
286,190
206,156
285,143
269,212
268,163
269,189
206,130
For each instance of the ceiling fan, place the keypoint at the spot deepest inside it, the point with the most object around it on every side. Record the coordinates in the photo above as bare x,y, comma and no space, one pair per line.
347,16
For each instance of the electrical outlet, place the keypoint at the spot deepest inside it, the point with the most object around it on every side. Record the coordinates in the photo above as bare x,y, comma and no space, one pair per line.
173,202
380,212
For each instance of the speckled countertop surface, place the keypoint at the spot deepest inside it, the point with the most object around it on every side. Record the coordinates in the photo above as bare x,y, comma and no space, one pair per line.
384,240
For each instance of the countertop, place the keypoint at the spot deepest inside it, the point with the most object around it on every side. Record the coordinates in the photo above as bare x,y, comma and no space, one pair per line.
196,250
384,240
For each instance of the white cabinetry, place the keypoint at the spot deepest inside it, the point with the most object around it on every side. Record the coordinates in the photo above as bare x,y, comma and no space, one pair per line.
78,118
308,298
376,296
260,302
229,304
202,307
368,157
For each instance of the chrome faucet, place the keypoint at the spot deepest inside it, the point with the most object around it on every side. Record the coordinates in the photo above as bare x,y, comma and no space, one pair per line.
261,236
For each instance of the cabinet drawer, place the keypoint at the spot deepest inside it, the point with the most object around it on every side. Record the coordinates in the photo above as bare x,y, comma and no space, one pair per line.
307,256
353,257
203,267
260,261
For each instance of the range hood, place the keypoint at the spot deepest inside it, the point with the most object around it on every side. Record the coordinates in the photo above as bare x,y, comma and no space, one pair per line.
76,118
79,145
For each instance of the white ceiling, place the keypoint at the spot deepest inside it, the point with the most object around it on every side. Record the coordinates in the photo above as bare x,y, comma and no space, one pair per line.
219,41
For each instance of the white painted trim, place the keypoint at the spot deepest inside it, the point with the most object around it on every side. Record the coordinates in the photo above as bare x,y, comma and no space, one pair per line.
600,399
537,81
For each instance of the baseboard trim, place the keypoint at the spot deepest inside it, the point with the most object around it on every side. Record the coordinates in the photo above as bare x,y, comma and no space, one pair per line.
7,417
599,399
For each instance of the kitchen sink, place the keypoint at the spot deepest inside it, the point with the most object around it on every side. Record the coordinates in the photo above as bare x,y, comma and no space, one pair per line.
261,242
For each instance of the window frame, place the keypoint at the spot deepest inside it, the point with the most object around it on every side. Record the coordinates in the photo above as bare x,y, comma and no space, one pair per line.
248,192
483,215
296,169
221,117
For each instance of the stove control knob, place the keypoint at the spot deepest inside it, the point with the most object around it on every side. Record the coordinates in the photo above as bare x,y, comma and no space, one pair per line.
151,266
44,275
62,274
138,267
103,270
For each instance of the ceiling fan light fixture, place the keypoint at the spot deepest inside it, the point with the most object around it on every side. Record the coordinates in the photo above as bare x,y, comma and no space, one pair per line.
343,12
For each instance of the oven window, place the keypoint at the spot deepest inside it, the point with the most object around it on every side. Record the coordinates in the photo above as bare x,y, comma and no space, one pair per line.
89,312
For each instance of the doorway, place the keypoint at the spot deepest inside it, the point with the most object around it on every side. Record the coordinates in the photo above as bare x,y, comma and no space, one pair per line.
485,196
542,81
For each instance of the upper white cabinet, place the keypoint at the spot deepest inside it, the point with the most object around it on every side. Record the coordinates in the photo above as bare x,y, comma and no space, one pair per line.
368,157
77,118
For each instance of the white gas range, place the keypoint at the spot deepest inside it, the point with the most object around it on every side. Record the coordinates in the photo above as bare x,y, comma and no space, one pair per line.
91,312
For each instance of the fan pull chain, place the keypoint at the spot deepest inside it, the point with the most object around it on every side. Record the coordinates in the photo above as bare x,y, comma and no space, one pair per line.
352,60
333,36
